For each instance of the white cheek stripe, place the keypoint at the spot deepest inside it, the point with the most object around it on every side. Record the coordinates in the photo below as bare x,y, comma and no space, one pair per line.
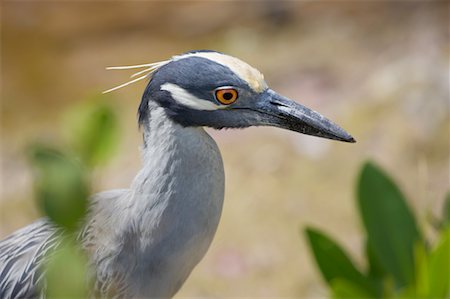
183,97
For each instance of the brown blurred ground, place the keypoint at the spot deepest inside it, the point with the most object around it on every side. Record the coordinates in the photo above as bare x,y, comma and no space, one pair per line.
380,69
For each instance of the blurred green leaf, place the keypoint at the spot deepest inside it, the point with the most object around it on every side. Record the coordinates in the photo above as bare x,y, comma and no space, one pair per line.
93,131
390,225
342,288
375,268
375,271
61,186
422,285
432,271
66,272
446,211
333,262
439,268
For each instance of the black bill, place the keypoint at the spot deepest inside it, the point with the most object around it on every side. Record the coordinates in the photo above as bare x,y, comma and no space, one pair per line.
285,113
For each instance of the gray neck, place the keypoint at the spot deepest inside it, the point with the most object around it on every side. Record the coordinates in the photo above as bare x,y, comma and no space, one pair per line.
176,202
174,155
162,227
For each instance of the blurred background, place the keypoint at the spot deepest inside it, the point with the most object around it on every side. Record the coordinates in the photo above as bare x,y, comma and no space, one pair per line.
379,69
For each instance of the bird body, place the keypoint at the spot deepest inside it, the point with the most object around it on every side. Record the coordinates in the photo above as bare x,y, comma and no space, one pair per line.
167,218
160,228
144,241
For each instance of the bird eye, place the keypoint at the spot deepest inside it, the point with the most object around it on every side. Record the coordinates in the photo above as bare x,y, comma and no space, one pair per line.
227,95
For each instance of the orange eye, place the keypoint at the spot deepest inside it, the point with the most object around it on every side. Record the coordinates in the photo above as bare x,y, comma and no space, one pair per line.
226,96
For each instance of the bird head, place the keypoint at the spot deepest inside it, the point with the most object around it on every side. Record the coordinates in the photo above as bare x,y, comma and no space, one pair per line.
208,88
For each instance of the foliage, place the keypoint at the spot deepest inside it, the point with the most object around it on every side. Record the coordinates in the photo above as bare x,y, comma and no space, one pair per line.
92,131
400,262
66,271
62,187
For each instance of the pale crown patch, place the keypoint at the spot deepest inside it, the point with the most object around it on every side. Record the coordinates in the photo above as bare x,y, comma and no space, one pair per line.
249,74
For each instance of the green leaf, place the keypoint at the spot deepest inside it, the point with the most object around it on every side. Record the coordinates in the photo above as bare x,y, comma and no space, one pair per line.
439,268
375,268
446,211
390,225
422,284
61,186
432,271
342,289
93,131
375,271
66,272
408,292
333,262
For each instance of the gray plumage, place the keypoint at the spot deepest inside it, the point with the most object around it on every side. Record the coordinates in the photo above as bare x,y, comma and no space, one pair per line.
132,233
144,241
20,258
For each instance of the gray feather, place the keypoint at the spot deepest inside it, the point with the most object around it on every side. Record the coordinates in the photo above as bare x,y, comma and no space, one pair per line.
21,258
143,241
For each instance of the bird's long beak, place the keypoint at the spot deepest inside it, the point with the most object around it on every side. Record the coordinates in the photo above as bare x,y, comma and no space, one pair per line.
285,113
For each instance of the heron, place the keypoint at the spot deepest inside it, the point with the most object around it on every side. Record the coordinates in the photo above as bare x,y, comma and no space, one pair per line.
145,241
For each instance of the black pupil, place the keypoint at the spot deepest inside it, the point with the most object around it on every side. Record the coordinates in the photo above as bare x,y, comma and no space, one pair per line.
228,96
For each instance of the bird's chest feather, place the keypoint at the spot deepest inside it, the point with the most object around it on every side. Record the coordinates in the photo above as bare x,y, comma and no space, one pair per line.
176,205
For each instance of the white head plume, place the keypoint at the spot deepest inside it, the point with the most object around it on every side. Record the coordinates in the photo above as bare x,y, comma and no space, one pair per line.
150,68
